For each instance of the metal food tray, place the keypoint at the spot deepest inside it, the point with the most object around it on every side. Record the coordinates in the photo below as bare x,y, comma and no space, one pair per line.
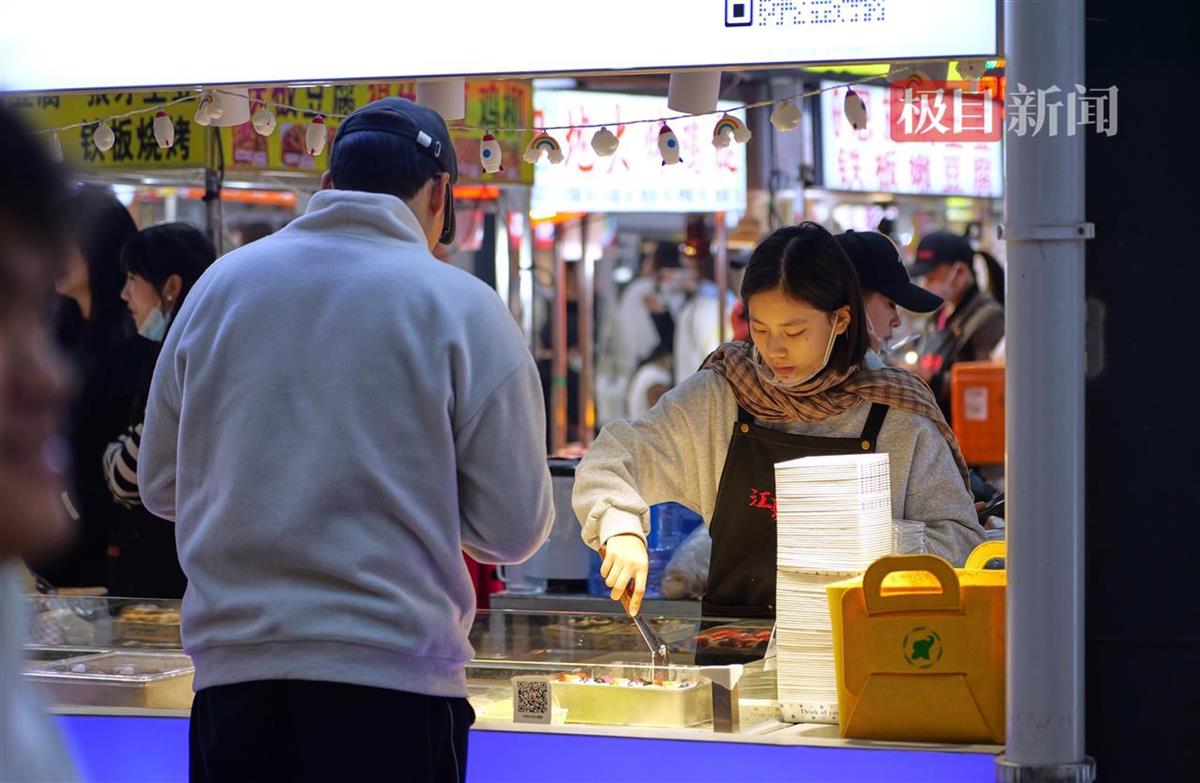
616,705
117,679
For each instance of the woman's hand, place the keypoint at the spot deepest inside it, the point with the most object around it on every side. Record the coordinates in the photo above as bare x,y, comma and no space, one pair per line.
625,560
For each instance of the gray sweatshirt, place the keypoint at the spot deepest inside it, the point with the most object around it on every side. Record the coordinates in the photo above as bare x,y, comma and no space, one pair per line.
677,452
335,417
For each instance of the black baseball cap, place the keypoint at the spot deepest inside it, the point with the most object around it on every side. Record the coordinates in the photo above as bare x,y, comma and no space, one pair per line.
421,125
939,248
877,261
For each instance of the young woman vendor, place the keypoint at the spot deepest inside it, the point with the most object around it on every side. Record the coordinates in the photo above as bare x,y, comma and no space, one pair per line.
798,389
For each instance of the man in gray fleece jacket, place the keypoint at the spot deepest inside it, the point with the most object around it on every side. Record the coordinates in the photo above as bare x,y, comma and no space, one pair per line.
335,418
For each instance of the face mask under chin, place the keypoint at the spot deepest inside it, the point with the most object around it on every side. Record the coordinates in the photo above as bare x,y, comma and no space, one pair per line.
768,376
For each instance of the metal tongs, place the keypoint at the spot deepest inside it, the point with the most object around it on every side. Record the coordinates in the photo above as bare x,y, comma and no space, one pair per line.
659,655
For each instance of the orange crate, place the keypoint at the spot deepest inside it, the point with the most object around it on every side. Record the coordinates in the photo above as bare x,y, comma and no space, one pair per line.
977,411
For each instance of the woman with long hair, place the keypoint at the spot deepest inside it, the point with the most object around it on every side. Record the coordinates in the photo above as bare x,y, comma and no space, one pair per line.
798,388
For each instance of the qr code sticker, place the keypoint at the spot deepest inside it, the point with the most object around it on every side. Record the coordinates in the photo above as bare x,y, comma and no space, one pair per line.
794,13
531,700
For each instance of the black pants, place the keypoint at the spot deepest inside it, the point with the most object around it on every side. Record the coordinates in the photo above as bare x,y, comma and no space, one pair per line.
295,730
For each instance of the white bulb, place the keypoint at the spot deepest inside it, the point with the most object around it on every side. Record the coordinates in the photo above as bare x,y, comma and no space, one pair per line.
786,117
103,137
264,121
316,136
605,143
491,156
164,130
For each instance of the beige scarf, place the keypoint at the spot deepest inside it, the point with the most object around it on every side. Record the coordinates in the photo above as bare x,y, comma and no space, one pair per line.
829,394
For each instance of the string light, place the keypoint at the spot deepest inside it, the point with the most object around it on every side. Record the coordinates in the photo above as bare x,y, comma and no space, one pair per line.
164,130
728,130
605,143
103,137
856,110
264,121
208,109
785,117
491,157
316,136
543,144
668,146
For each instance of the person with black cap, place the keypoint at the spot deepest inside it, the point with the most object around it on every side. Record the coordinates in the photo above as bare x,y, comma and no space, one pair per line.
885,286
971,323
335,417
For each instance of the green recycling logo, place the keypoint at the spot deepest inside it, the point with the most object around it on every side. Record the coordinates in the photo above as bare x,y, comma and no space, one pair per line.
922,647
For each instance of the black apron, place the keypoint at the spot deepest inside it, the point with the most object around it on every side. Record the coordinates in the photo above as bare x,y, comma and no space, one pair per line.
741,573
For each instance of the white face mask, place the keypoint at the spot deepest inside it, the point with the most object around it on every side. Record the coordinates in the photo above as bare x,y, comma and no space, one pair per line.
154,327
768,376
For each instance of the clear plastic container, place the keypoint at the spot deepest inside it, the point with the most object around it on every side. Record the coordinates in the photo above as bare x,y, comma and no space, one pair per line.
117,679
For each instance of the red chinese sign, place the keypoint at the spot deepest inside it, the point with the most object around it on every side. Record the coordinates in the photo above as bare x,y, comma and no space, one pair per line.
954,111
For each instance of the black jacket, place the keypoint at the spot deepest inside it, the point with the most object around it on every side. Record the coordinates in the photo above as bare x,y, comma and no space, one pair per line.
970,334
109,370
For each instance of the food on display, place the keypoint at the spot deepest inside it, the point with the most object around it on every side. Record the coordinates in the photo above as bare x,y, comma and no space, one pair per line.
670,701
734,638
147,623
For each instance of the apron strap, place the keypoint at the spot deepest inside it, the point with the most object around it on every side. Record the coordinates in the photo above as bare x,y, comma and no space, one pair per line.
744,416
870,433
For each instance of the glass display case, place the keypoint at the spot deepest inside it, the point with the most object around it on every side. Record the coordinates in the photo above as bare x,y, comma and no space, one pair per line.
547,687
582,669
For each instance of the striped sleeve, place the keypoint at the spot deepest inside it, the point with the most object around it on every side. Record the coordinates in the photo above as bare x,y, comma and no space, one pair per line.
120,467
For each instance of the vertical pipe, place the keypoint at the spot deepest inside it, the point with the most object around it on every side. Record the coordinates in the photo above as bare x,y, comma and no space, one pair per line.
1045,233
587,300
558,363
213,177
721,238
517,219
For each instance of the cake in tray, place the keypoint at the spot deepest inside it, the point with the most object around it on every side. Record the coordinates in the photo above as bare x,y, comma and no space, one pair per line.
668,701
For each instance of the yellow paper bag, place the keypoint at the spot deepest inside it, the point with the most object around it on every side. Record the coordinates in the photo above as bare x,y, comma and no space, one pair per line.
919,649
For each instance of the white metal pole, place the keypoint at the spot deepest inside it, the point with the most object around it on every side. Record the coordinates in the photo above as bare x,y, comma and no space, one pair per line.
1045,234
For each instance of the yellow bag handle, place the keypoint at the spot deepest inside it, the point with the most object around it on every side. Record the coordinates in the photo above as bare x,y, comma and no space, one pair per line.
949,599
986,552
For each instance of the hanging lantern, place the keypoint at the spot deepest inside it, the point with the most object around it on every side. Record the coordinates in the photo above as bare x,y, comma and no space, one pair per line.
103,137
316,136
164,130
668,146
544,144
491,157
730,129
264,121
786,117
605,143
856,110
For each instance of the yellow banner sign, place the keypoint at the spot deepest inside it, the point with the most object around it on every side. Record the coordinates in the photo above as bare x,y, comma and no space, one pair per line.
135,146
489,104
